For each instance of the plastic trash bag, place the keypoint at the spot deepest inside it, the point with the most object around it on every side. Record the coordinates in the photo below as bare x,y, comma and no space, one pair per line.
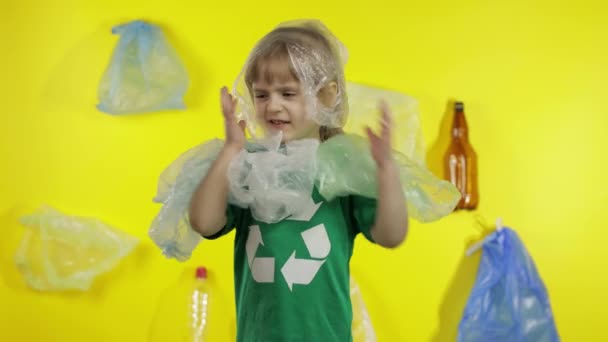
509,301
346,167
60,252
362,328
145,73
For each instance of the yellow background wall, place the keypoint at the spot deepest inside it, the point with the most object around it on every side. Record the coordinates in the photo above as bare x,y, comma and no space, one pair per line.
533,78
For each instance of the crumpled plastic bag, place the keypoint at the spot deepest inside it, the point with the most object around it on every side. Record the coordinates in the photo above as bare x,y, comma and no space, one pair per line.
145,73
362,328
347,168
171,230
276,181
60,252
509,301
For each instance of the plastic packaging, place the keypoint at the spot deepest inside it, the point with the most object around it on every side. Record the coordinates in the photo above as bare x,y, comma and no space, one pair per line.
171,230
275,181
362,328
145,73
346,167
60,252
407,129
509,301
199,307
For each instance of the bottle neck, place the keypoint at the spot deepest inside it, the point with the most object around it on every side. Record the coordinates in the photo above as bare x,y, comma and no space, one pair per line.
460,129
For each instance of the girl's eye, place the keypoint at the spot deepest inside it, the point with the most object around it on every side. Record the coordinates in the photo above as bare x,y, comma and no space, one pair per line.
260,96
289,94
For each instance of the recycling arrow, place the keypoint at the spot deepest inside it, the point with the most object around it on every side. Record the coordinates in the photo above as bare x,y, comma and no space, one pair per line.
300,271
303,271
295,271
262,269
307,212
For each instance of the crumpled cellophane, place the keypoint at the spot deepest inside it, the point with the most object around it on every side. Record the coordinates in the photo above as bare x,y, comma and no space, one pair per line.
346,167
60,252
275,180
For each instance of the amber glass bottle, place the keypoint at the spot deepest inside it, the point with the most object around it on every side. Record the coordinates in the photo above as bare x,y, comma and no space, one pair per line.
460,161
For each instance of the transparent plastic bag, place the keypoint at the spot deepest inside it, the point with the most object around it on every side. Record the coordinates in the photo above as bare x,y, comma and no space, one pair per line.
145,73
362,328
275,182
171,230
509,301
60,252
363,111
346,167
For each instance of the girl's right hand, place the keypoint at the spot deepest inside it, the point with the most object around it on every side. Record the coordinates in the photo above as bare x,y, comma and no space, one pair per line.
235,131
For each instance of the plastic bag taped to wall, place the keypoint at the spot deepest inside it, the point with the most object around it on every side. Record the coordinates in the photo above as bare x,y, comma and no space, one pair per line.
60,252
145,73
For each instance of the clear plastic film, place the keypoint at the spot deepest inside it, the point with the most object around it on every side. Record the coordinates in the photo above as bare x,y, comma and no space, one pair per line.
171,230
406,127
274,181
316,57
362,328
346,167
509,301
60,252
145,73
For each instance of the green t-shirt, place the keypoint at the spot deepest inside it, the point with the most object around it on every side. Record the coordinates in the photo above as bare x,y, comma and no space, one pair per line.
292,277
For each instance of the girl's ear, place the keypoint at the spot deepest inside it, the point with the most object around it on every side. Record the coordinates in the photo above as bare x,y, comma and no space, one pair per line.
328,94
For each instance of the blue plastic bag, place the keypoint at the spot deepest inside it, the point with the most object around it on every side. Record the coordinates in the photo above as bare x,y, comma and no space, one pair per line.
145,73
509,301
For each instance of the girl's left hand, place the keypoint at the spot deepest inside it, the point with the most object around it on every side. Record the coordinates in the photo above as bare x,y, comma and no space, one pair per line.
381,144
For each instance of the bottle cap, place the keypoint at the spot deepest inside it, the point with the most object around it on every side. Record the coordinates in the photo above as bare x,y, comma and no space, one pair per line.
201,273
459,106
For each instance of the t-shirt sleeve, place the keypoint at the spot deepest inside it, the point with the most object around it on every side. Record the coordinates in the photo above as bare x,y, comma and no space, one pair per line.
363,210
234,216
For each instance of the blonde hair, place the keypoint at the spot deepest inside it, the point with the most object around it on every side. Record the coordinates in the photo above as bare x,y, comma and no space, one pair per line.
315,50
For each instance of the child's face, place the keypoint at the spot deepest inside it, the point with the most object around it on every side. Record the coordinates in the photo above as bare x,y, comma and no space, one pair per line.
280,105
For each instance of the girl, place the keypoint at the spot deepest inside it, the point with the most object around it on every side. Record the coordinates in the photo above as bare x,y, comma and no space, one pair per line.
294,237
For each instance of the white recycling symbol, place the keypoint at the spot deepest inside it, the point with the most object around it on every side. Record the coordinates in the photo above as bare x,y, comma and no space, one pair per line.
295,270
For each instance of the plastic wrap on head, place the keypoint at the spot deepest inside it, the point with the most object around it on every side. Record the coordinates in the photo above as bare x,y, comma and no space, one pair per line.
362,328
274,181
346,167
509,301
171,230
145,73
60,252
407,129
316,56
